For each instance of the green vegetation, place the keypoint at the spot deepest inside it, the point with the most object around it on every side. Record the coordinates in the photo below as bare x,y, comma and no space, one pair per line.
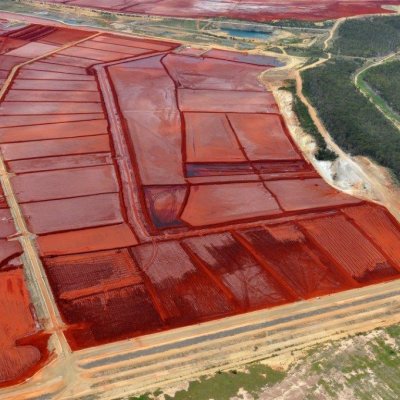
362,367
292,23
314,51
355,123
352,120
368,37
385,81
306,122
225,385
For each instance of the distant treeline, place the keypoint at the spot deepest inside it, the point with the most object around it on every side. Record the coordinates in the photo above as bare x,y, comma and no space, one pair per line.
352,120
369,37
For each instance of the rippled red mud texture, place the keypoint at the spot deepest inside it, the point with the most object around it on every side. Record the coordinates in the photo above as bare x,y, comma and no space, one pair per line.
166,190
258,10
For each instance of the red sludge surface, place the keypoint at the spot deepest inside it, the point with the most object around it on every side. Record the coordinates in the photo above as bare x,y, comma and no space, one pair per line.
166,189
22,347
259,10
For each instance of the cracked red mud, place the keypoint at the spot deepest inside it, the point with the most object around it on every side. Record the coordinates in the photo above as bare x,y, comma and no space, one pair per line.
165,191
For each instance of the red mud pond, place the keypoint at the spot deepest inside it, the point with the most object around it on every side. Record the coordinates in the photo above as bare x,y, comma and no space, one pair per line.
165,190
258,10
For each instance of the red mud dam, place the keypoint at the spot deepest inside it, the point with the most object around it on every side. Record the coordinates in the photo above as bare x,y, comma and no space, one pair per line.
257,10
165,190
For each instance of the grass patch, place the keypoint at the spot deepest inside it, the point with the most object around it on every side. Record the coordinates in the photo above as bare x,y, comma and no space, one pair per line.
225,385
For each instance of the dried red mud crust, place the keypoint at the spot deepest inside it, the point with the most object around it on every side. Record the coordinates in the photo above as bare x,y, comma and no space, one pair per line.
166,190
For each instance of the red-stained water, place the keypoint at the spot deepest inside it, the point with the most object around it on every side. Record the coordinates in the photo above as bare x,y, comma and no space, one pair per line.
164,204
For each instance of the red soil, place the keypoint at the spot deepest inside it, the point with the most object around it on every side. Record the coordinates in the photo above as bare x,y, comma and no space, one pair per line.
380,227
32,50
46,66
70,214
60,147
55,85
287,251
34,108
216,204
9,250
98,55
263,137
249,284
64,36
84,241
258,10
22,350
186,294
209,138
131,42
200,73
61,162
53,96
265,61
7,227
309,193
165,190
52,185
145,86
53,131
110,315
70,61
226,101
109,302
348,247
30,120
